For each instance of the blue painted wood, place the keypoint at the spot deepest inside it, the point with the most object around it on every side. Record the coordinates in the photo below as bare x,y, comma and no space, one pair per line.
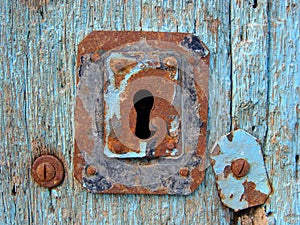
254,85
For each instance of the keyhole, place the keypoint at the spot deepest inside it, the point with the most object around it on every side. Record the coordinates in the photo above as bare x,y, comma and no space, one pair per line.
143,103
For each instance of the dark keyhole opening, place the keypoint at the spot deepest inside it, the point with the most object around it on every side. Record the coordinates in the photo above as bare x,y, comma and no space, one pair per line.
143,103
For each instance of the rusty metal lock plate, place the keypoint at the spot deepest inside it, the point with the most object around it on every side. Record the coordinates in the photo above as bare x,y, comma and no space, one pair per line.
141,112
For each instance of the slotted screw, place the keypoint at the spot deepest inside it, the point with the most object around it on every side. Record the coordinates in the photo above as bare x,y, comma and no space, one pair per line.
240,167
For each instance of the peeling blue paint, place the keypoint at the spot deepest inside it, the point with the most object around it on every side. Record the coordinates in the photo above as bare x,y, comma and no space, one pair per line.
238,144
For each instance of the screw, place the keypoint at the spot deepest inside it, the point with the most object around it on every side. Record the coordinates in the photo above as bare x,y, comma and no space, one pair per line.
240,167
47,171
184,172
171,145
91,170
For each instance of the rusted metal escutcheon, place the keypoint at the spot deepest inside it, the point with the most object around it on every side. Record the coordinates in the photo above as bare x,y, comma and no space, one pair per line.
141,112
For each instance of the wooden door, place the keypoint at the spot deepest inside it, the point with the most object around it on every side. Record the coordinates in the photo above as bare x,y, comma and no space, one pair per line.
254,85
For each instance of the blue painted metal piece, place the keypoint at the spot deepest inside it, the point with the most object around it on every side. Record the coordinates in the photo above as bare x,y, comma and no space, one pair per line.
240,192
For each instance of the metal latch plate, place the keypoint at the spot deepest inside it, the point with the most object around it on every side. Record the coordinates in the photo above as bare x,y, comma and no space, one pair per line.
113,67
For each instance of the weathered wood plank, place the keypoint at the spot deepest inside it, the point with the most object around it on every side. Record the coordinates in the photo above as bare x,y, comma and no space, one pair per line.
250,49
282,140
254,60
250,43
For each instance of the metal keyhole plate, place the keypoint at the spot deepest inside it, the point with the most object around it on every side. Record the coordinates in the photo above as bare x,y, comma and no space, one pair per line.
141,112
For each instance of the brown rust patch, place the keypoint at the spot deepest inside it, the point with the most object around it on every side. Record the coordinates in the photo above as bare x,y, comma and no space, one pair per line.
203,114
162,148
227,171
216,151
83,125
252,196
197,178
95,57
121,67
79,163
230,136
117,147
213,25
122,189
91,170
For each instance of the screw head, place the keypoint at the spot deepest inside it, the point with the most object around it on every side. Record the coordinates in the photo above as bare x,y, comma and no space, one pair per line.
47,171
184,172
171,145
91,170
240,167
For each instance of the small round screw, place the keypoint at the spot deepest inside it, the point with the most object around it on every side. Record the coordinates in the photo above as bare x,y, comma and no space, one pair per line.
240,167
171,145
47,171
184,172
91,170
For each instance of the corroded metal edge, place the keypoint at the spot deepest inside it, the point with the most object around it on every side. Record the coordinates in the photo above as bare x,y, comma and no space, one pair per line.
107,40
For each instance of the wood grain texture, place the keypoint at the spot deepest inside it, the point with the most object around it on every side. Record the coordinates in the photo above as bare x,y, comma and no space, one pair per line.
254,85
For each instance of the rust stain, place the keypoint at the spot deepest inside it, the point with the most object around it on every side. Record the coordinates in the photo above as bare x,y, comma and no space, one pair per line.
217,151
213,26
203,114
227,171
38,148
117,147
121,67
79,163
95,57
84,123
252,196
230,136
197,178
123,189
